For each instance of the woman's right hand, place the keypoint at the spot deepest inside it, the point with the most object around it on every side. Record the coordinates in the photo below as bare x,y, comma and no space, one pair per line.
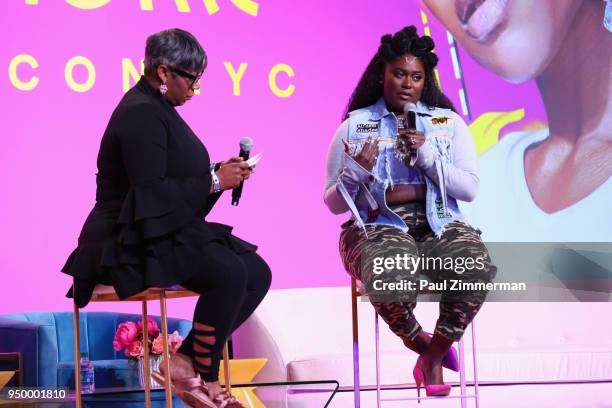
367,155
232,172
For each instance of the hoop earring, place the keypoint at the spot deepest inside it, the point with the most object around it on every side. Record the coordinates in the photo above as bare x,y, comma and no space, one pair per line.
163,88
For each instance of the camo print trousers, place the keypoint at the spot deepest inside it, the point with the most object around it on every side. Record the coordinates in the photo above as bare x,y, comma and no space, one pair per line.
358,254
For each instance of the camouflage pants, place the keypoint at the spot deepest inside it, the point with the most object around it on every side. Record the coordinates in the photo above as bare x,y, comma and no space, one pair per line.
457,309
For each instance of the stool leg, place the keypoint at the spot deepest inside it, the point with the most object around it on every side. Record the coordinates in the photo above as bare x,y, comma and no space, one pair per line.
77,353
377,341
462,373
356,387
226,369
147,365
476,395
164,324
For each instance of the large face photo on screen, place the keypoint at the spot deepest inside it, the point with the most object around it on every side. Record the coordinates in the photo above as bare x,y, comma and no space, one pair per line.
547,179
531,79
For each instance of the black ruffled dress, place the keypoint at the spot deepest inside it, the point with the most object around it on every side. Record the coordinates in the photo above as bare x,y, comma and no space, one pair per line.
147,228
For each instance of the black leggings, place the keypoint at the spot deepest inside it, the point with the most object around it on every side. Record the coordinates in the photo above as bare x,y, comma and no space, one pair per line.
231,287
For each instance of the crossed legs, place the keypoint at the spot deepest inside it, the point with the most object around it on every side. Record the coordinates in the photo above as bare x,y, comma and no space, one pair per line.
231,287
359,252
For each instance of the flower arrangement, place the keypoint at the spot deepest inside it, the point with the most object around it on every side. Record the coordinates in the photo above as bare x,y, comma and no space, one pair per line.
129,337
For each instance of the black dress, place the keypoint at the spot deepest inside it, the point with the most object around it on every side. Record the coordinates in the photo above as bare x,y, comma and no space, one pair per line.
147,227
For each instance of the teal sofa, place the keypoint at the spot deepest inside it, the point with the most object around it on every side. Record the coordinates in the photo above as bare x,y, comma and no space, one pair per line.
45,341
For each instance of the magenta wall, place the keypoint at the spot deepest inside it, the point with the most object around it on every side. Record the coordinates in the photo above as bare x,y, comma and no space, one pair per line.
52,132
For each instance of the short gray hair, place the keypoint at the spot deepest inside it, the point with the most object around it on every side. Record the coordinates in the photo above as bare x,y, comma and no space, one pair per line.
176,48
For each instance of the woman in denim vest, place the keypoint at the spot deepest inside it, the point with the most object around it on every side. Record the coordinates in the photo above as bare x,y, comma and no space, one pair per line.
401,180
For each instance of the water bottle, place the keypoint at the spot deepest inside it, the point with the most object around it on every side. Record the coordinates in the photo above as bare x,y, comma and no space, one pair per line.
87,375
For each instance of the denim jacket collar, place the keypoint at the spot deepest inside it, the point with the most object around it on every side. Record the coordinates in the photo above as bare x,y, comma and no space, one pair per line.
379,109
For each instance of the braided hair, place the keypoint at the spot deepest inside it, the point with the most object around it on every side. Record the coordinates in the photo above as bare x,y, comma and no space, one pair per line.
406,41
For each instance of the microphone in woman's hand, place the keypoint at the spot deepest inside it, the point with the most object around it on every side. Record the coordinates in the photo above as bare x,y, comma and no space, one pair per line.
246,143
410,115
410,124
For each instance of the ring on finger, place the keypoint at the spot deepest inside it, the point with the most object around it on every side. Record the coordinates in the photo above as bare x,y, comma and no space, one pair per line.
412,140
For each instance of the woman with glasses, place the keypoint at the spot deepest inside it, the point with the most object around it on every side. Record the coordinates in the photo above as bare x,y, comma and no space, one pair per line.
155,185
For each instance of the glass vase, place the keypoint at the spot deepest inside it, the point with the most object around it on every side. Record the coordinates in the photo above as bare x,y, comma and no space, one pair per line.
154,361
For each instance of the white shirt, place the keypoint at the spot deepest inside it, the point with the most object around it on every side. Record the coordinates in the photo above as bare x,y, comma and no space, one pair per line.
505,210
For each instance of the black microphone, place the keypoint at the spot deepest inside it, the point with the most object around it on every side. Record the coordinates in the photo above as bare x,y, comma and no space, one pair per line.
246,143
410,122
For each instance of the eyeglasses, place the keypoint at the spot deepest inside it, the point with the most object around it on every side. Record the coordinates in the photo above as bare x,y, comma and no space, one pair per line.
195,79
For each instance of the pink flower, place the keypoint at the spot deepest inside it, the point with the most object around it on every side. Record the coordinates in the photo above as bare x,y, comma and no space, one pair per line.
125,335
151,328
135,349
158,345
174,341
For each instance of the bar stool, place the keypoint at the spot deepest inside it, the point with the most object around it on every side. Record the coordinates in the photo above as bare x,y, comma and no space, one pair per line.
356,293
104,293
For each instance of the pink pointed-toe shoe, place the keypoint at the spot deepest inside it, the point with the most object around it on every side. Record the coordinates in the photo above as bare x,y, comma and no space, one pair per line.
431,390
451,360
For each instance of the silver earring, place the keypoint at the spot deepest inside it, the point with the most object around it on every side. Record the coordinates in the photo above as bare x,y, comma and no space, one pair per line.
163,88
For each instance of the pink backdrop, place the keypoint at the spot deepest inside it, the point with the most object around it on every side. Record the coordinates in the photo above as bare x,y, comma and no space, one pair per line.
52,133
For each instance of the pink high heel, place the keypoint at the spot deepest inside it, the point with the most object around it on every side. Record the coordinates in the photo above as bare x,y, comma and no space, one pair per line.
450,360
431,390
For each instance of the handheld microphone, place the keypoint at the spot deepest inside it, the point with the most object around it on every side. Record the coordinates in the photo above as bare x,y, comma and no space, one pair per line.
410,124
246,143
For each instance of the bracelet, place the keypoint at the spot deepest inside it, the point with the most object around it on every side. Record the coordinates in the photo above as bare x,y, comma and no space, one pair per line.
216,184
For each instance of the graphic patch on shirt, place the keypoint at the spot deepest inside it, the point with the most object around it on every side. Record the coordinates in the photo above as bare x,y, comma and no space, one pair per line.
440,209
441,120
367,127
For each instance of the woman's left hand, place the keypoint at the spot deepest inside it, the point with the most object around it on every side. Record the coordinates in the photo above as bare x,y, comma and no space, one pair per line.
236,159
413,139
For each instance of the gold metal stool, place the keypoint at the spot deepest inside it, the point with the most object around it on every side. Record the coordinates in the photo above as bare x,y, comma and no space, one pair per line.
357,292
104,293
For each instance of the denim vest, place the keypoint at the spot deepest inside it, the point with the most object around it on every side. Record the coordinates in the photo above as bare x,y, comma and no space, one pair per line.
389,170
